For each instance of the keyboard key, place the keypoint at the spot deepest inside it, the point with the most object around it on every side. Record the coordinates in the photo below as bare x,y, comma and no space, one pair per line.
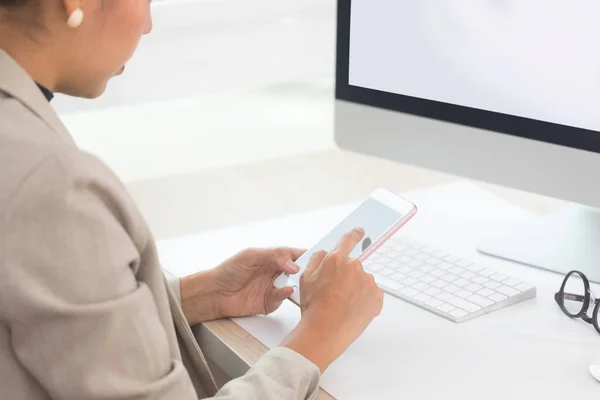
422,257
408,292
387,283
463,293
414,264
386,272
432,291
487,272
491,284
511,282
415,245
464,263
426,268
445,308
461,282
480,301
468,275
434,261
458,313
428,279
395,264
507,290
404,269
434,303
384,260
464,304
475,268
411,252
375,267
443,296
440,254
445,266
437,273
416,274
428,249
420,286
485,292
457,270
392,254
398,276
480,280
408,281
451,289
404,259
523,287
499,277
451,258
439,284
422,297
473,287
449,277
498,297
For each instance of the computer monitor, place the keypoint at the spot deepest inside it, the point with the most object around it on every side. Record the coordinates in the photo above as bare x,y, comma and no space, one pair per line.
501,91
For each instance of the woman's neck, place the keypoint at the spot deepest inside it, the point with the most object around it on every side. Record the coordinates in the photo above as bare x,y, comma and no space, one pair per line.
35,59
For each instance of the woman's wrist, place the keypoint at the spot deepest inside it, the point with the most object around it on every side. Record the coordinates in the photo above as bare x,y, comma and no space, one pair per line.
200,297
313,342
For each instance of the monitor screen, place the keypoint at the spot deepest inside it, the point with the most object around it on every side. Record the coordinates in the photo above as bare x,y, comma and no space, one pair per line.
504,65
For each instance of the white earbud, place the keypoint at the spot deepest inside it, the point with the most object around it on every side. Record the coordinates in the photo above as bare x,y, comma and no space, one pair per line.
75,19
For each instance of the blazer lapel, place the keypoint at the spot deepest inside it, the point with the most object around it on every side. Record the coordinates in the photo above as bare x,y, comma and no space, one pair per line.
15,81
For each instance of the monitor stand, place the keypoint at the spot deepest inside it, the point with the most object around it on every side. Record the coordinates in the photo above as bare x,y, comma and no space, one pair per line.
564,240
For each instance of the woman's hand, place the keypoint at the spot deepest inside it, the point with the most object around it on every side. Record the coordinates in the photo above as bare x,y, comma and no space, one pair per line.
240,286
245,281
338,301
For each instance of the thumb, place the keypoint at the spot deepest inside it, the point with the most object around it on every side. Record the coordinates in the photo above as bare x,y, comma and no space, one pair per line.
282,293
277,296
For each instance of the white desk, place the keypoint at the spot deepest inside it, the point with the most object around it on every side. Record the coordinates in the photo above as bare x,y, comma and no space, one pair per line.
530,350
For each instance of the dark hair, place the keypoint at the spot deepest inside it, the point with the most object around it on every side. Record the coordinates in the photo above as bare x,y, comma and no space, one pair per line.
12,3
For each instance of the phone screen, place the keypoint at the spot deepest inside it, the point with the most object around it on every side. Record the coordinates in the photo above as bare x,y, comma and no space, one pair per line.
374,217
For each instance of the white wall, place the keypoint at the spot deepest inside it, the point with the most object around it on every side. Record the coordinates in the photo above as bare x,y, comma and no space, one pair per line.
200,46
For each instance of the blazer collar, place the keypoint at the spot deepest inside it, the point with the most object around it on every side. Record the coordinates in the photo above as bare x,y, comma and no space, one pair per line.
17,83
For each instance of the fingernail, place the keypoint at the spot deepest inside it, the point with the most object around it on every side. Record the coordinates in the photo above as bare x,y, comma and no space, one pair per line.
359,230
291,267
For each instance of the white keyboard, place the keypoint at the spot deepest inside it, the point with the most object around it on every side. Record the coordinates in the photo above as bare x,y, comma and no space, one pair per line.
437,281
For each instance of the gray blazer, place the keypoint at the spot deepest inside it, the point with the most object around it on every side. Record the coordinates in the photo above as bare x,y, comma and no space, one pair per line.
85,310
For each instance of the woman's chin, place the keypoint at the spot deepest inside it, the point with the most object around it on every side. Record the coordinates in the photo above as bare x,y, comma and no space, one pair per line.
95,92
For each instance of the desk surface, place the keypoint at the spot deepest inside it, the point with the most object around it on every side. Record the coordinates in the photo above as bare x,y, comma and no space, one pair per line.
248,348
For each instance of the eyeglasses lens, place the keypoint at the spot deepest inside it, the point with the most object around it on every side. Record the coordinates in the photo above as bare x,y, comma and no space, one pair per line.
574,294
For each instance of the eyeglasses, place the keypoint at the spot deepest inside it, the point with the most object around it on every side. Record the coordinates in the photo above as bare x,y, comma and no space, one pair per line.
577,300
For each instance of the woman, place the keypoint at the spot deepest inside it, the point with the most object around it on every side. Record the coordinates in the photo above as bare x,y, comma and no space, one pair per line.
85,310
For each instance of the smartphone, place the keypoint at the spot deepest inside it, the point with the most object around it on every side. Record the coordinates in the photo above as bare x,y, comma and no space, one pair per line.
381,215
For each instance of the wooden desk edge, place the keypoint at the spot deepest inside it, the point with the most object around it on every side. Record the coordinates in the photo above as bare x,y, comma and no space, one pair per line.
242,350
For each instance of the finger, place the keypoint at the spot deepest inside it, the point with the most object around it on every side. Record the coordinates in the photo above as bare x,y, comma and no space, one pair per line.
315,261
350,240
277,296
286,257
280,259
296,253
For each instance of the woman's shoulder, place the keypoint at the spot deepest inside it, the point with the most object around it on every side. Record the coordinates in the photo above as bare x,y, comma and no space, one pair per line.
35,161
